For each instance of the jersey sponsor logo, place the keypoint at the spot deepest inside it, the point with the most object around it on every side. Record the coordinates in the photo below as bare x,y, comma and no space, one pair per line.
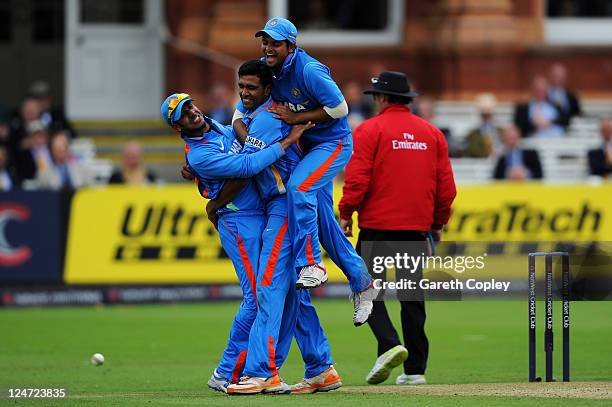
408,143
296,107
236,147
252,141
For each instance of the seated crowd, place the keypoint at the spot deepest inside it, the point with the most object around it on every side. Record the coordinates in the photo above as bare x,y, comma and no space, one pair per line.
35,140
35,149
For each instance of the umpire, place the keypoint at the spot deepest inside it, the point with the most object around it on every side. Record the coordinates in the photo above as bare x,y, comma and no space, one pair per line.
400,182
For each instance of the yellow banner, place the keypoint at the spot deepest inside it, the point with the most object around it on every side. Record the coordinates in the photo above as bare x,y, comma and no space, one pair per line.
147,235
143,235
160,235
531,212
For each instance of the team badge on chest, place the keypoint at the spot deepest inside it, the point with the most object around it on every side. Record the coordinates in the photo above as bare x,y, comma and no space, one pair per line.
295,92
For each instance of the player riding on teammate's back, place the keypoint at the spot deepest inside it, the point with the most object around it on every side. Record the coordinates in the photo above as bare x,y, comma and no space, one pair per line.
305,92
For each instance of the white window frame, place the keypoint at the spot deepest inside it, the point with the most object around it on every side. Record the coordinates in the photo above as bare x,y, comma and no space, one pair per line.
392,35
578,31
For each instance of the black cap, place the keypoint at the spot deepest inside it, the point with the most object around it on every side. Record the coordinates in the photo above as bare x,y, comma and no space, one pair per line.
391,83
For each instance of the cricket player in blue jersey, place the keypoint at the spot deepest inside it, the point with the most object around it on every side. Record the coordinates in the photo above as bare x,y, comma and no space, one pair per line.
305,92
208,152
279,302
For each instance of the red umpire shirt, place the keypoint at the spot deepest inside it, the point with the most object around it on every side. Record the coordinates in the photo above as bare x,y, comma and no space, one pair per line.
400,177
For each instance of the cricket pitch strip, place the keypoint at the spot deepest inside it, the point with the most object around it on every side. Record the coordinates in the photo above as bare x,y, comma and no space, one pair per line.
581,390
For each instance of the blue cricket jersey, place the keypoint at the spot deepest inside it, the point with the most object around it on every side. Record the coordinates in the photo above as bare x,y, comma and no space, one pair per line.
213,158
265,130
305,84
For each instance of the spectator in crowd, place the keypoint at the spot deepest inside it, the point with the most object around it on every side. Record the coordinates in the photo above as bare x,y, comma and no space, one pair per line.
567,102
373,71
485,139
8,179
317,17
222,108
516,164
358,110
424,108
33,156
133,170
29,112
539,117
389,147
65,173
5,129
600,159
53,117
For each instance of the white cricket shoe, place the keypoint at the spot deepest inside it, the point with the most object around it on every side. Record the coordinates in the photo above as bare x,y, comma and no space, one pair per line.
218,382
386,363
311,276
411,379
363,303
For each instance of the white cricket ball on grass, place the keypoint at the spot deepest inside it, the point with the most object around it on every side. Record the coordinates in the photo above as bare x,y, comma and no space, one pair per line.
97,359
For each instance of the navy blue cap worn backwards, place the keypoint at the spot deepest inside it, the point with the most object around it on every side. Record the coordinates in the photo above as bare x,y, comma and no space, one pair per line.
279,29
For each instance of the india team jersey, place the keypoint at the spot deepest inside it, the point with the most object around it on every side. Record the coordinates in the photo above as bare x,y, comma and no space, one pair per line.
265,130
305,84
209,159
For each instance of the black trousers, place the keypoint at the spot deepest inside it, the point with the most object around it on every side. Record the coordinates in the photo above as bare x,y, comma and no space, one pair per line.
412,312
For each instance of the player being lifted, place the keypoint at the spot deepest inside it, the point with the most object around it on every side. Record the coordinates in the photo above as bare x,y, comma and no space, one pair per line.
305,92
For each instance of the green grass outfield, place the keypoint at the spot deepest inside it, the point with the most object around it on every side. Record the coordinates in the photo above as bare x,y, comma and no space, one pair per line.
164,354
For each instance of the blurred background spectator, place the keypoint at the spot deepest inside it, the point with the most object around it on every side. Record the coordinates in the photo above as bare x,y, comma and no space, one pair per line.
33,155
8,179
29,112
221,104
567,102
5,129
600,159
517,164
485,139
359,109
539,117
133,170
64,173
316,16
52,116
424,108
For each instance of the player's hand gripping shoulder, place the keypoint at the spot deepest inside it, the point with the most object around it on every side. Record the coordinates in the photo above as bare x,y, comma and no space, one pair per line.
296,132
285,114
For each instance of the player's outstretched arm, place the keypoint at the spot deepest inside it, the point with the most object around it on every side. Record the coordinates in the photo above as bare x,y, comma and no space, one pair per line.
215,164
296,132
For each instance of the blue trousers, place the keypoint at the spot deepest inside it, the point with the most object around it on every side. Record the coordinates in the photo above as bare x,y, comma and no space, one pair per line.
311,216
283,311
241,238
274,281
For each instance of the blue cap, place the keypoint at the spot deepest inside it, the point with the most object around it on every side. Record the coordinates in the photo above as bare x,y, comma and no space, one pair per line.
172,106
279,29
